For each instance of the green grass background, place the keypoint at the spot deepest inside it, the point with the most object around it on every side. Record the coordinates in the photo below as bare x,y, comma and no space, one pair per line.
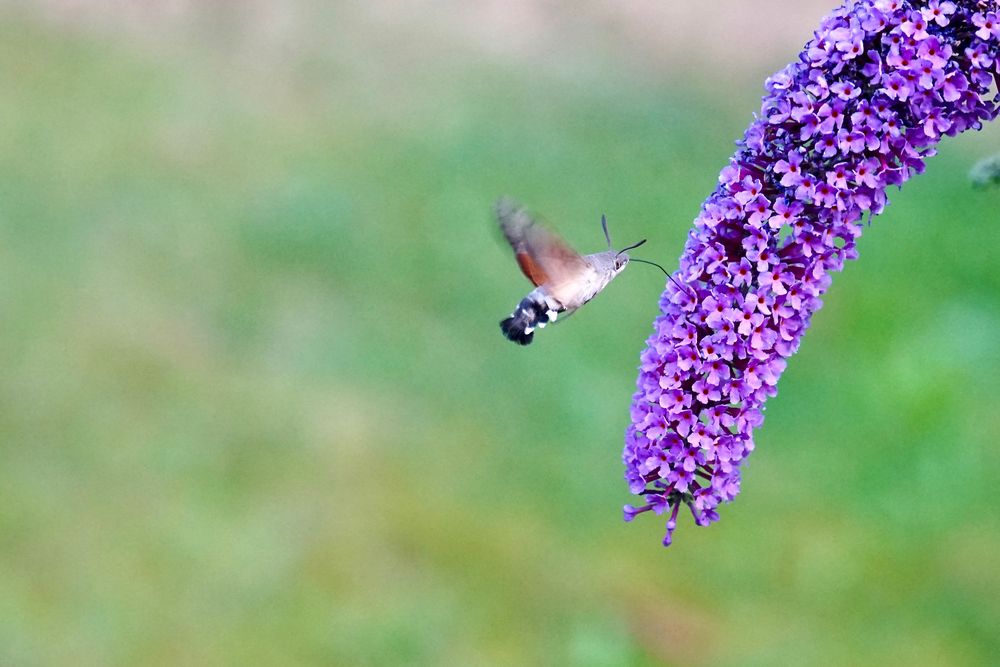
255,408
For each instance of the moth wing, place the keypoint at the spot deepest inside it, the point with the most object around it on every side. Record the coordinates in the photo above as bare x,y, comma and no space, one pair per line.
544,257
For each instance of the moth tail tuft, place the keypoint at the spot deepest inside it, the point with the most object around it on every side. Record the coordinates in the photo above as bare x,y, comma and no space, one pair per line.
515,330
529,315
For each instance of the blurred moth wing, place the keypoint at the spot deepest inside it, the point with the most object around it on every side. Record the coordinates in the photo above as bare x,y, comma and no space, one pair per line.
544,257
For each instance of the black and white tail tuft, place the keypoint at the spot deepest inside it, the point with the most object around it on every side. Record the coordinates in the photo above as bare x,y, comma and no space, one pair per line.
530,314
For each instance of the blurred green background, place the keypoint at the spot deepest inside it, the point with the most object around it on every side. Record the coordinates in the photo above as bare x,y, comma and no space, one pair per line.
256,408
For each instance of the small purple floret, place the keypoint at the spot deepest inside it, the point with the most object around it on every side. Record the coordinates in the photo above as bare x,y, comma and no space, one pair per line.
878,86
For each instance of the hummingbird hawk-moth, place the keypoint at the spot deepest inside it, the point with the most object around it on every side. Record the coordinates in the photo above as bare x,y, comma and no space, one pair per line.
564,279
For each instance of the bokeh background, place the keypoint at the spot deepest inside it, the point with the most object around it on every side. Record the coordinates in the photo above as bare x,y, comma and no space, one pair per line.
255,408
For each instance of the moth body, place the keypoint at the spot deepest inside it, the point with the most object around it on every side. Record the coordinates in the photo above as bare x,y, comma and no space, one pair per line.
564,280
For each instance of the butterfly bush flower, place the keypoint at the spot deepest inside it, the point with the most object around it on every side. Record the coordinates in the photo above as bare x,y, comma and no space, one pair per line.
861,109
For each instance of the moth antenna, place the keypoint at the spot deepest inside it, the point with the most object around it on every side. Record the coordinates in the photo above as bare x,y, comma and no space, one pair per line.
604,226
634,245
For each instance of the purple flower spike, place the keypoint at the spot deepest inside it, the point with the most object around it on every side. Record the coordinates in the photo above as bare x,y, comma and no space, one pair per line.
869,97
